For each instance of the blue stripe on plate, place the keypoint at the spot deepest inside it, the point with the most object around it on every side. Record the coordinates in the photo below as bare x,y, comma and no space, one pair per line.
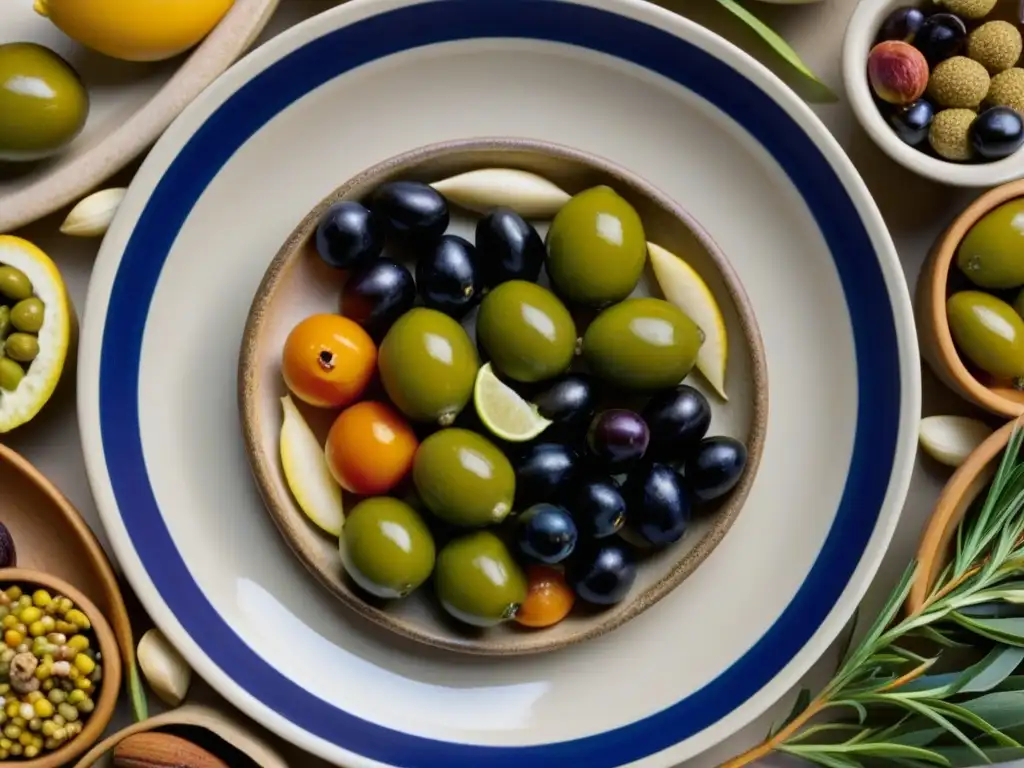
563,22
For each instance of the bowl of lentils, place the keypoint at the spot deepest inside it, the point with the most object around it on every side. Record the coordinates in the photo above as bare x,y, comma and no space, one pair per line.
939,86
60,670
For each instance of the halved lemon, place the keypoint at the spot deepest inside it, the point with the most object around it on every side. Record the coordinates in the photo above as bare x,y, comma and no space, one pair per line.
687,290
503,411
54,336
306,472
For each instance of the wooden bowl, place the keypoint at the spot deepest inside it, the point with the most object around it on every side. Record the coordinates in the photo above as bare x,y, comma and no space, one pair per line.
110,686
120,128
298,284
934,285
51,536
971,479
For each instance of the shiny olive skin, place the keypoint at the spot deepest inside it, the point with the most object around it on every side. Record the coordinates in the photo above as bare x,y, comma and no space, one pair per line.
569,399
509,248
996,133
660,506
349,235
526,331
546,533
27,315
603,572
5,322
642,344
477,580
715,467
11,374
678,420
386,547
377,294
596,248
463,478
43,103
413,213
428,365
597,505
448,277
989,254
543,472
617,439
14,284
23,347
988,332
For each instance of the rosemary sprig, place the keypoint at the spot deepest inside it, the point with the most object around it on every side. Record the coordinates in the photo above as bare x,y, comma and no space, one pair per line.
903,693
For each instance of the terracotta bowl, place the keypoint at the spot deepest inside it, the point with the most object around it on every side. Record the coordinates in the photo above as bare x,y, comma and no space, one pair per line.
110,687
298,284
939,278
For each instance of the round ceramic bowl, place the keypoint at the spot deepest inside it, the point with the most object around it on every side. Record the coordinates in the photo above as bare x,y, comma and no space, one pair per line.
861,32
298,284
937,280
110,687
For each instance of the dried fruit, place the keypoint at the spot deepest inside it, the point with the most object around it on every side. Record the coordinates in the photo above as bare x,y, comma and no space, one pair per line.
897,71
1007,89
969,9
996,45
162,750
959,83
950,134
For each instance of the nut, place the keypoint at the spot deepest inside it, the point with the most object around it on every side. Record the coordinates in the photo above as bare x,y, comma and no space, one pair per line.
167,673
92,216
162,750
897,71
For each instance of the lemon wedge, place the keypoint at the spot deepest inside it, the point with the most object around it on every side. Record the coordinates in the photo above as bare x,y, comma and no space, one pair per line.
682,286
503,411
54,337
306,472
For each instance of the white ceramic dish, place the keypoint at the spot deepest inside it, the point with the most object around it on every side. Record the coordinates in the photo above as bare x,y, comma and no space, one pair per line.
619,78
861,32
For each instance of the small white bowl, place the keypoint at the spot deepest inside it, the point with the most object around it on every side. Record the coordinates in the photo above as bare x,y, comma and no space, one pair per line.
860,37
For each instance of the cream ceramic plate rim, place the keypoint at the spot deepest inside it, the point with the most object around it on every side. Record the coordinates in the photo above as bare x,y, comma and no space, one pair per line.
889,395
214,54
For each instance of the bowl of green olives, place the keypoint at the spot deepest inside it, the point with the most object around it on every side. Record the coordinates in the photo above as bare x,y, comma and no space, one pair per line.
969,303
524,395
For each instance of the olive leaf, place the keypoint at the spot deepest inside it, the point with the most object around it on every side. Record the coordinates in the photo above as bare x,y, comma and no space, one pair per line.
780,46
137,694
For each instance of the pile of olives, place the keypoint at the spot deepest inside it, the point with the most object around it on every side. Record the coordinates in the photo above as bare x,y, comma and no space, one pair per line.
21,318
518,531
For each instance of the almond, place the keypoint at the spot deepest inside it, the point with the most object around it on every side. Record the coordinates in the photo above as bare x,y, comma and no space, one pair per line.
162,750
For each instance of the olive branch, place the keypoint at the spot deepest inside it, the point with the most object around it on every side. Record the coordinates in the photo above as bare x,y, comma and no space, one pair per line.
904,694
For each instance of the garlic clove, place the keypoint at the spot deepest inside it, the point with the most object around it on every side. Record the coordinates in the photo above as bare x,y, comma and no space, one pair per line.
92,215
529,195
167,673
951,439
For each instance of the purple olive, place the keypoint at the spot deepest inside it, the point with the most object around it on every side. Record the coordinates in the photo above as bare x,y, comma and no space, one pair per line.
618,439
901,24
8,554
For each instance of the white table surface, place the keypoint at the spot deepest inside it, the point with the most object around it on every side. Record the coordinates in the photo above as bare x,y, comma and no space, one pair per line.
915,211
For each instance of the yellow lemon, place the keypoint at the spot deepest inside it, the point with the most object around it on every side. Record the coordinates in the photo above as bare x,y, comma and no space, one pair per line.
135,30
306,472
38,317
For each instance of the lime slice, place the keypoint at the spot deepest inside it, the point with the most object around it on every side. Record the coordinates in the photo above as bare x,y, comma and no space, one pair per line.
306,472
687,290
503,411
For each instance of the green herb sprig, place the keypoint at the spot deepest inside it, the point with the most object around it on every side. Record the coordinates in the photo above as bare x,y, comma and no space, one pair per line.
904,694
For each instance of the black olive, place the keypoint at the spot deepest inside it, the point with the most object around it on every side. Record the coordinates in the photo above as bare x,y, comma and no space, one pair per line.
543,471
940,36
413,212
448,277
603,573
377,294
901,24
996,133
715,468
509,247
912,121
658,502
597,506
569,399
678,420
546,533
617,439
348,235
8,553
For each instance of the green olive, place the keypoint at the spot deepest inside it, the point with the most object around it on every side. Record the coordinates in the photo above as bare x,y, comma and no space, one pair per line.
11,374
428,365
14,284
477,580
5,322
988,332
22,347
990,253
463,478
27,315
527,331
596,248
43,103
386,547
642,344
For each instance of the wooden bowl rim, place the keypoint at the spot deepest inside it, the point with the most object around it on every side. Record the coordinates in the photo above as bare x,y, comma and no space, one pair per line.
943,253
248,387
110,689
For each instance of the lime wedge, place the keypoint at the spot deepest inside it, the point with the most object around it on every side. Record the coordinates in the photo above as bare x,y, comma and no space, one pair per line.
306,472
503,411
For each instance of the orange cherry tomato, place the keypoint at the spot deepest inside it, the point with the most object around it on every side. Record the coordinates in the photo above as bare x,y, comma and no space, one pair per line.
328,360
370,448
548,598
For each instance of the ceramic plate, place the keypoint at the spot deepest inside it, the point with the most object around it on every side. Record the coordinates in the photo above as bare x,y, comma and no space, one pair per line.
624,80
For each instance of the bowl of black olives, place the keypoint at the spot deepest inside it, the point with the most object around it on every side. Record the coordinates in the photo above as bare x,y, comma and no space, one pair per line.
501,396
938,85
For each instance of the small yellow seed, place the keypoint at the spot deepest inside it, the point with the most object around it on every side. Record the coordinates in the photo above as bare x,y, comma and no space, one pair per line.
76,696
79,642
43,708
25,739
65,627
5,743
36,629
49,622
44,671
33,697
84,664
49,728
31,751
79,619
41,598
13,638
83,683
14,592
31,614
10,621
12,708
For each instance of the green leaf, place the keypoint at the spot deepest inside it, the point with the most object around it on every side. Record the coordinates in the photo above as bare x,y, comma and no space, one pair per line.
924,710
1002,710
779,45
886,749
982,676
856,706
1012,683
828,760
1008,631
960,757
970,718
137,694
